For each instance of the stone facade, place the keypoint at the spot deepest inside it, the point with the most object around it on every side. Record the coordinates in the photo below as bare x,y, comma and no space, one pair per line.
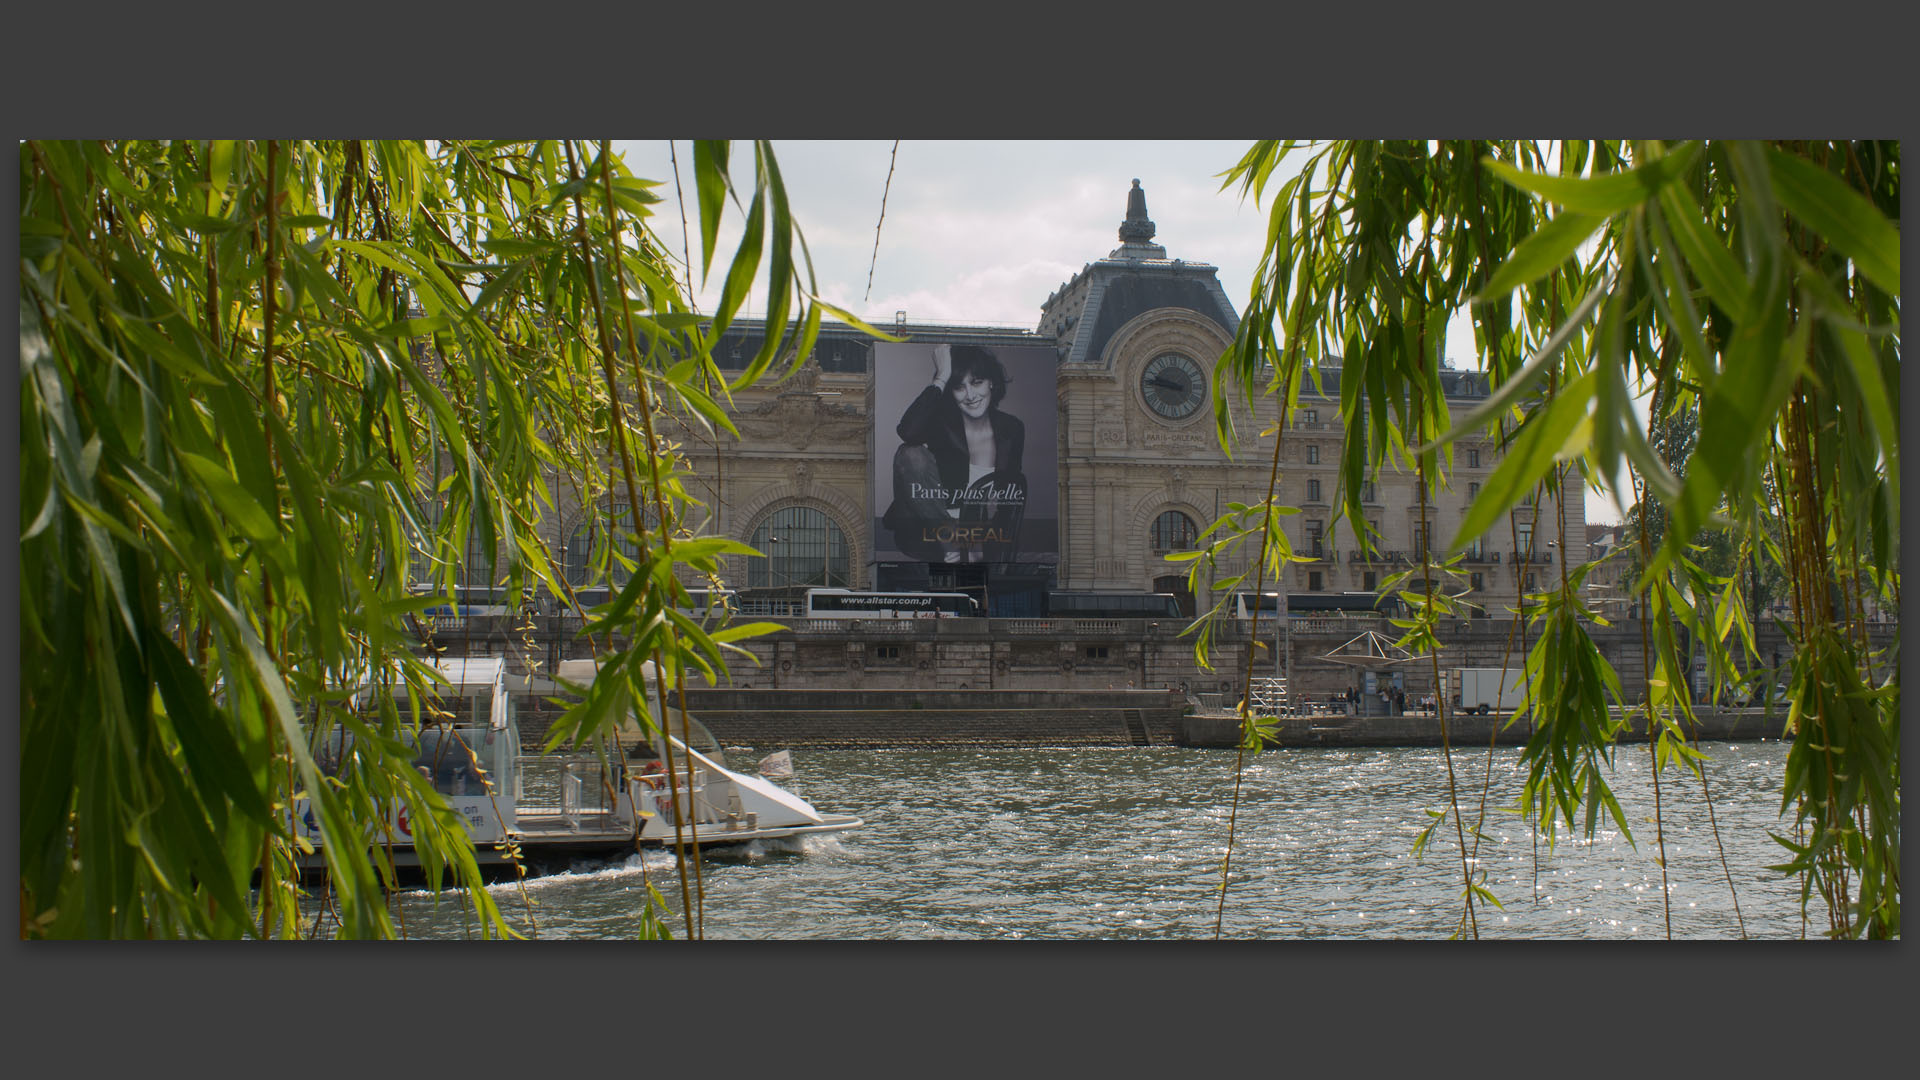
805,442
1090,658
1138,479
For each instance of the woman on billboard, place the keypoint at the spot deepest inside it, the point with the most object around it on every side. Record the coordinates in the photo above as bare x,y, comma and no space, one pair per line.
958,490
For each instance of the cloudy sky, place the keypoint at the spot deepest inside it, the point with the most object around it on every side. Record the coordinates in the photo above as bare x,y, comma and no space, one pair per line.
983,232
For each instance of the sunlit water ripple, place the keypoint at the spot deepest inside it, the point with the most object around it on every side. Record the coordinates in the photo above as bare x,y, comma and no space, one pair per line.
1128,843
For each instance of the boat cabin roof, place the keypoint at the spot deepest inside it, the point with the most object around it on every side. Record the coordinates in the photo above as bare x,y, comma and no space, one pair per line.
482,678
471,672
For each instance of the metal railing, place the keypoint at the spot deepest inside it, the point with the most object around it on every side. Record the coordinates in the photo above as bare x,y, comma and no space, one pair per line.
1356,555
1335,623
1268,695
567,786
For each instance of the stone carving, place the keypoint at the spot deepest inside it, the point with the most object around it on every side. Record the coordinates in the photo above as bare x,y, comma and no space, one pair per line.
1137,228
796,423
1176,440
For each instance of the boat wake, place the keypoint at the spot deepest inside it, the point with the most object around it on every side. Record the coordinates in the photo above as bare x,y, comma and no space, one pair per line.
549,878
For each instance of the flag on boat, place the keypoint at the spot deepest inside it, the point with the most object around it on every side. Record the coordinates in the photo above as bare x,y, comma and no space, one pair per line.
777,766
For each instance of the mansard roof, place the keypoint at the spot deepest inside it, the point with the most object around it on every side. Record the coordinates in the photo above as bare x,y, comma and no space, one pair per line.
1457,384
1136,277
845,348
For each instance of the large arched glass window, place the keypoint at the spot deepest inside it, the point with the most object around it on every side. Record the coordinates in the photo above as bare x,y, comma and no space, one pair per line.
586,544
421,550
427,558
802,546
1173,531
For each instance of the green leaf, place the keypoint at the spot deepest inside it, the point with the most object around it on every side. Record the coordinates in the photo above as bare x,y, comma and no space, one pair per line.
739,631
232,499
220,155
1718,271
708,547
1532,457
852,320
710,186
517,248
1843,216
1540,253
1604,195
1529,376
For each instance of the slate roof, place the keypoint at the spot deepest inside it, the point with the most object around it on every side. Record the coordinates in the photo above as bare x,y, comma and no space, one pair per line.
1135,277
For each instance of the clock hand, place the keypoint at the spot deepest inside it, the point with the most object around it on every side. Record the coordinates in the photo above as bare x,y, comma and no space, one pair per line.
1159,380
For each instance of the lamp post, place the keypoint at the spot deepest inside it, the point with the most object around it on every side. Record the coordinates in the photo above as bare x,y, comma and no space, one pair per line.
777,577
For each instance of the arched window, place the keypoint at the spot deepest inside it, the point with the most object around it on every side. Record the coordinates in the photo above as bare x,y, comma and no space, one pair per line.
586,544
427,559
1173,531
421,552
802,547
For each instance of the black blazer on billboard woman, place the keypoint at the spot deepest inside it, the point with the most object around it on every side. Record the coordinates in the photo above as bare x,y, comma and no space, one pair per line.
935,421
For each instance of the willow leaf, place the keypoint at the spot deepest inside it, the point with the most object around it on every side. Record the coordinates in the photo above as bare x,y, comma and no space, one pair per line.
1603,195
1842,215
710,187
1530,459
1529,375
1540,253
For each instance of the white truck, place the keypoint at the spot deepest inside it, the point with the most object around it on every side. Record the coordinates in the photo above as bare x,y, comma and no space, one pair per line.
1478,690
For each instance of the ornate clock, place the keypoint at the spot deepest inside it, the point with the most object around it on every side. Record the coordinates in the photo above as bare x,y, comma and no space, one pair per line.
1173,386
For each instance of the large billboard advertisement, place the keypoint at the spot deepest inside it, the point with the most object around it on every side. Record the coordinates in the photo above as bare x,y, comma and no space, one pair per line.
965,455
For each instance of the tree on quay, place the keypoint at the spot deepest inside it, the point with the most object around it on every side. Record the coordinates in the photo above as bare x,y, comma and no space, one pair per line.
1749,288
259,380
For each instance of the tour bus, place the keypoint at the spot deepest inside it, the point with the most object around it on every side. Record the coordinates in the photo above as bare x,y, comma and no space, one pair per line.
719,604
1242,606
1348,603
849,604
1112,605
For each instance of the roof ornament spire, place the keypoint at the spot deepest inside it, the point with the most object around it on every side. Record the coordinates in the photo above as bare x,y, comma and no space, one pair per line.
1136,229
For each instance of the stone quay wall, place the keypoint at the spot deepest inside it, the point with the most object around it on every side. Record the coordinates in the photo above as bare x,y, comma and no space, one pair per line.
866,718
1039,681
1073,654
1463,732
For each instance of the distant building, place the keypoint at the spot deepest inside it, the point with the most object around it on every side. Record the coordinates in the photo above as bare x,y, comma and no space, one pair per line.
1607,585
1120,465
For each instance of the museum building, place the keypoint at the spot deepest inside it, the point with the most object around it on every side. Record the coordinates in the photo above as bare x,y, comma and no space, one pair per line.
1112,451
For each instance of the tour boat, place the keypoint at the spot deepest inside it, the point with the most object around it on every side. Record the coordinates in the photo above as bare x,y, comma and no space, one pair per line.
560,807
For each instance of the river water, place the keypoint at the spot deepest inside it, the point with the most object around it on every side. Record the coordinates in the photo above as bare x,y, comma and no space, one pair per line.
1127,843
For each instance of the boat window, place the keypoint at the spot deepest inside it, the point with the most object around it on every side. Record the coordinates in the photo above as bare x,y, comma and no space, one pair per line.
449,758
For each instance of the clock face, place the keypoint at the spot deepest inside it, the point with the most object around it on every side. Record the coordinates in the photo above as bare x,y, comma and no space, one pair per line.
1173,386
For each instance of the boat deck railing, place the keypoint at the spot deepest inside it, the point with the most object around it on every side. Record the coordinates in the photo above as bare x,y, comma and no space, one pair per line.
562,786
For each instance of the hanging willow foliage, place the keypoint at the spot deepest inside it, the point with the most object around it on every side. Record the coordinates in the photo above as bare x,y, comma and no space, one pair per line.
1752,286
243,367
